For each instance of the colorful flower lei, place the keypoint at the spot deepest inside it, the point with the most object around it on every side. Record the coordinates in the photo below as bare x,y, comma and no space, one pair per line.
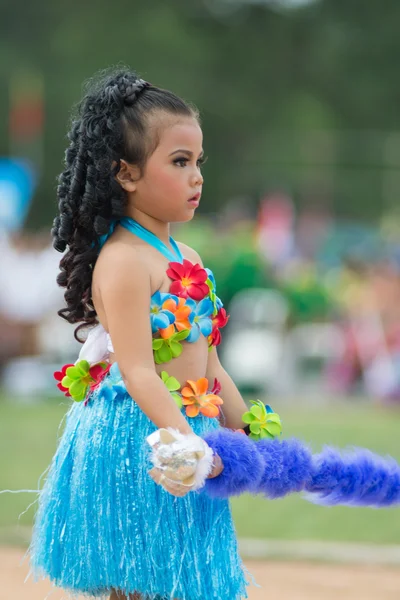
194,396
189,309
166,348
219,321
197,399
173,386
194,283
212,294
189,280
201,318
75,380
263,421
160,316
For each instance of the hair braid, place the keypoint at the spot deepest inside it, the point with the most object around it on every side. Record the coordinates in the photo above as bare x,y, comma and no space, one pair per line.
110,125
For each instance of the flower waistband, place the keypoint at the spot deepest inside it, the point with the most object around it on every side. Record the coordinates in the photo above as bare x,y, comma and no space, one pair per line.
76,380
79,380
195,397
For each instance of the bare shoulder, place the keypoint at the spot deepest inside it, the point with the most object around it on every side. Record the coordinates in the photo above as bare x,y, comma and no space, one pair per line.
117,259
190,254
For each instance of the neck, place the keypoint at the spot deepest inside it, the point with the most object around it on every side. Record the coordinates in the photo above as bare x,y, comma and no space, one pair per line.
159,228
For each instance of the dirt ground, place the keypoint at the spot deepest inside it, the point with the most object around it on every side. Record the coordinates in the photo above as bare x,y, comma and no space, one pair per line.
286,581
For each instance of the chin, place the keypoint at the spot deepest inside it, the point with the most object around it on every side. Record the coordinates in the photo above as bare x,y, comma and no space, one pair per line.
184,218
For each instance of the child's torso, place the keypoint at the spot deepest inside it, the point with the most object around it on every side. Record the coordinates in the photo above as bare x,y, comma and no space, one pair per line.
166,277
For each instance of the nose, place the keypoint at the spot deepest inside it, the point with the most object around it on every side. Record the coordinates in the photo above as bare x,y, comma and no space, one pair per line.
197,178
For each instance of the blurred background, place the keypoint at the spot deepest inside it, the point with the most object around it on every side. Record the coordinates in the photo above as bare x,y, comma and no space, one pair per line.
299,220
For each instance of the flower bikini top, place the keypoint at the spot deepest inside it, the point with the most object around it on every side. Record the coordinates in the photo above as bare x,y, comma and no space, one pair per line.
188,310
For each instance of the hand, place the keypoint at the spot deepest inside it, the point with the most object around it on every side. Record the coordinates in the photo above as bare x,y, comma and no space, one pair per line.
175,488
218,467
182,461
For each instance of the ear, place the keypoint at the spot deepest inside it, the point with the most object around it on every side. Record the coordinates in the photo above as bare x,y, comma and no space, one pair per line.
127,176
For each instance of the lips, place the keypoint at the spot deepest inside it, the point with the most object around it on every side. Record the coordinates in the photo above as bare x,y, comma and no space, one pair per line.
195,198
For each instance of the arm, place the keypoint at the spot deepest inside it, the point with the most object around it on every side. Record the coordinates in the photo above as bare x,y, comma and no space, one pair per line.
125,294
234,406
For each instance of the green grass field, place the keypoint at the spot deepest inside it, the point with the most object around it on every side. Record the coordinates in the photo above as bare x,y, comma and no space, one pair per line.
28,437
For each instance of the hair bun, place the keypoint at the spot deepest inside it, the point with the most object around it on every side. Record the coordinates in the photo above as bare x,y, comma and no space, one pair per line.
122,90
133,90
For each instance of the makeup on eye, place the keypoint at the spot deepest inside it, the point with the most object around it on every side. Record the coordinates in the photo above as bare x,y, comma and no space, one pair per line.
188,156
185,160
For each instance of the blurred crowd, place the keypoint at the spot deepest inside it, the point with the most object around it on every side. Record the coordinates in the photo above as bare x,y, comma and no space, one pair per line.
32,336
314,303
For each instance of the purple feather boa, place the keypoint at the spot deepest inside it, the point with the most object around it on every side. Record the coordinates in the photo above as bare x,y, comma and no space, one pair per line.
354,478
287,466
276,468
244,466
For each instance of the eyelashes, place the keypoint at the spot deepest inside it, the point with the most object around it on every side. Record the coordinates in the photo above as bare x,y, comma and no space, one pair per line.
183,160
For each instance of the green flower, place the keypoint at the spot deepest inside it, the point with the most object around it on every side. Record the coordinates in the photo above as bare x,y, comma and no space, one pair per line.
264,423
173,386
77,380
212,295
167,348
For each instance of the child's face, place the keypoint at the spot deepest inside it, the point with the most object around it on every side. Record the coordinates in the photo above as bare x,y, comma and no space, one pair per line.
172,176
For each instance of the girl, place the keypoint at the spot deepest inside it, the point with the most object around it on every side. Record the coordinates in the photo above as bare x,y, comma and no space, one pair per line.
108,524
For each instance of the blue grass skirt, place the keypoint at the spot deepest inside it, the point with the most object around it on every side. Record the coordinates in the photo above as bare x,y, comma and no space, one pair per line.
103,523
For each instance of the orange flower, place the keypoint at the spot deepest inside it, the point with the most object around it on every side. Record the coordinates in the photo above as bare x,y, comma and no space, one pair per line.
196,399
181,312
167,332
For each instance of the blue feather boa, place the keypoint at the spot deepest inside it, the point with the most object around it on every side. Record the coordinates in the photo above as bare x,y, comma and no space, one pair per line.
276,468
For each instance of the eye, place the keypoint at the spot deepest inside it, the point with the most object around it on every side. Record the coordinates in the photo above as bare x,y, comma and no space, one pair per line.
181,161
202,160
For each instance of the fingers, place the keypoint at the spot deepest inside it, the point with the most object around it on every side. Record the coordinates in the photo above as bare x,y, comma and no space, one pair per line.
173,487
218,467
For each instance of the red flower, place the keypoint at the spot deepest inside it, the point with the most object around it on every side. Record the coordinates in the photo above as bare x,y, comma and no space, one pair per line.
214,339
216,387
98,372
59,376
220,320
189,280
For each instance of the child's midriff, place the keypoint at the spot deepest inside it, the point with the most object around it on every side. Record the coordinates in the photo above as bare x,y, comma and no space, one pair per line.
191,364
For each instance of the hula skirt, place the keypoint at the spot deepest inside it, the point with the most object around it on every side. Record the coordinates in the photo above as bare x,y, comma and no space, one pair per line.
103,523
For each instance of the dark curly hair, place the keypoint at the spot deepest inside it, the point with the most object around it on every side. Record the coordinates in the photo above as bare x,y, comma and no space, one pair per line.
111,123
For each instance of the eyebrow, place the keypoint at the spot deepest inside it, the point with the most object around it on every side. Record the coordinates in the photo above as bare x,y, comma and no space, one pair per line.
188,152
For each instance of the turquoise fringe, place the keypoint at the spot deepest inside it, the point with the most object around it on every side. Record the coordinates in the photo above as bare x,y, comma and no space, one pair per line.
103,523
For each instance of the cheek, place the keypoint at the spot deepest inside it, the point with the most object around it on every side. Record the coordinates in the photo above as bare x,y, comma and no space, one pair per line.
169,178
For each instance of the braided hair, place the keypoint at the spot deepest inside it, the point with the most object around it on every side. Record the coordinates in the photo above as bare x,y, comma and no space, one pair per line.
111,124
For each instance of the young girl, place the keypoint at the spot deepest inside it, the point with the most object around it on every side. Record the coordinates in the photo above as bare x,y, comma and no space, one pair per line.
108,524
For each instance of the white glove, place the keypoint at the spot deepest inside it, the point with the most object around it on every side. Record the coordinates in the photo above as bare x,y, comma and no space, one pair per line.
182,462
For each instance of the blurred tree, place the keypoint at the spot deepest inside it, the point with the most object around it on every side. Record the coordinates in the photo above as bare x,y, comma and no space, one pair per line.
268,79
